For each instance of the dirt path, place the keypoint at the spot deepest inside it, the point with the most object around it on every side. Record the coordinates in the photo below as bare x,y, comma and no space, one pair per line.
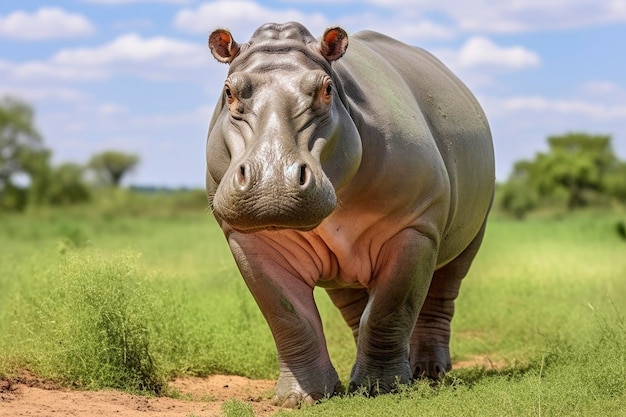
30,396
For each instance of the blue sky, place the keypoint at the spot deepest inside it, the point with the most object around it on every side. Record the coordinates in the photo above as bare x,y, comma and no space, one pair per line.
136,75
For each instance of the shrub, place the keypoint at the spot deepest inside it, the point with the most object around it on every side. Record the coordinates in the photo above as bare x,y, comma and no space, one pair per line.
95,326
518,198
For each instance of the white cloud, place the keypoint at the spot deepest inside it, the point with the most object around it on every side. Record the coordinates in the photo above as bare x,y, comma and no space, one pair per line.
410,30
137,1
480,52
156,57
133,24
46,23
242,17
198,116
130,48
49,93
479,60
527,15
111,109
574,107
423,30
50,70
602,88
488,16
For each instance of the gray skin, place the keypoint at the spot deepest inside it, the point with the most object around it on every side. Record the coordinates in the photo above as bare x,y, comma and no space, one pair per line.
371,177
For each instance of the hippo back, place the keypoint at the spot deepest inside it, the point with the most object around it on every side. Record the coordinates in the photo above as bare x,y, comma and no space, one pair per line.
391,85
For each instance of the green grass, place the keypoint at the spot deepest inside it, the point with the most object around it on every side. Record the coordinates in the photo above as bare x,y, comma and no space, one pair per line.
563,379
539,278
234,408
130,299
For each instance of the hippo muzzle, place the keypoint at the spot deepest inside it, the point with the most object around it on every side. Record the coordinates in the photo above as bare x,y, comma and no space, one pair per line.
260,193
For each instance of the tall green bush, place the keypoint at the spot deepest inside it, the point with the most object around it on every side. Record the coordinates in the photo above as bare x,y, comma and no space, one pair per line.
95,325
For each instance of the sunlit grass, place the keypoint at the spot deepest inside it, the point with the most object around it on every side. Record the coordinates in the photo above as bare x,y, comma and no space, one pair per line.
129,301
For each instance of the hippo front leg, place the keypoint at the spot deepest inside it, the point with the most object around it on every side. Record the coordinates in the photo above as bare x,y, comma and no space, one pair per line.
404,270
288,305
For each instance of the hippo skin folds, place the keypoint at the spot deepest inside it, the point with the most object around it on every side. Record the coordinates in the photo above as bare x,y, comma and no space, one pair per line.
366,170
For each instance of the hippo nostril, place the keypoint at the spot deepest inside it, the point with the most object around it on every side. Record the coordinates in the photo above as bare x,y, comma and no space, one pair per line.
303,174
242,177
305,177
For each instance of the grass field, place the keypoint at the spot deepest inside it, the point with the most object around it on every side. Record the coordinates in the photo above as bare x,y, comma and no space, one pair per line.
123,299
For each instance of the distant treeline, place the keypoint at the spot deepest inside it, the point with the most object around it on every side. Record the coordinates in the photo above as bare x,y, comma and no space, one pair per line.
578,170
27,176
152,189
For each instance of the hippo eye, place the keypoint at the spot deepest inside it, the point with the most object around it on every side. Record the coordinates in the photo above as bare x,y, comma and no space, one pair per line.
230,98
325,96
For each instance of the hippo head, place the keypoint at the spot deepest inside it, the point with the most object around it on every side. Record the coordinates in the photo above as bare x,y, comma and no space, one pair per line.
281,142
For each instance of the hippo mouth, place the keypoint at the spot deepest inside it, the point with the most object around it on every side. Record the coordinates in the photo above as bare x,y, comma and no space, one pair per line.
267,214
273,228
274,212
247,227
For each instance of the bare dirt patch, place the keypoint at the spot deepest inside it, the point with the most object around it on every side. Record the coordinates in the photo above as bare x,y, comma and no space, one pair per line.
482,361
28,395
203,397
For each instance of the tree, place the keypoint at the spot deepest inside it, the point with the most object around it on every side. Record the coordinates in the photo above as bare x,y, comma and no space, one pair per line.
36,164
21,152
112,166
67,185
578,162
517,196
577,165
615,182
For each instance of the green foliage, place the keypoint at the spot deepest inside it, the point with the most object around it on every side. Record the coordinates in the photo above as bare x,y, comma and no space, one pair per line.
581,168
111,166
67,185
114,202
17,135
518,198
620,229
167,303
93,328
21,152
615,182
13,198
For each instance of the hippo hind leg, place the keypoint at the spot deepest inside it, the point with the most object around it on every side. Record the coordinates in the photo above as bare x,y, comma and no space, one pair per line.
430,340
351,302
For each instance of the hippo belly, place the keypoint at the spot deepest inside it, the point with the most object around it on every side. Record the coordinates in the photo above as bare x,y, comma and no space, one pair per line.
365,170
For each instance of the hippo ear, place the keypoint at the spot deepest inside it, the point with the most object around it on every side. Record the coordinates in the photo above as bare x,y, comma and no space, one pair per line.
334,43
223,46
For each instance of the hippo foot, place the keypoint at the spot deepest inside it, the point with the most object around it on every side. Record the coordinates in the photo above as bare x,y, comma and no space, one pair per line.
431,362
434,370
293,393
296,399
380,380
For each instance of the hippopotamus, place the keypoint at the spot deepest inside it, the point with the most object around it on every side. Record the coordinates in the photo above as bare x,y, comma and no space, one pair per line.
365,170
